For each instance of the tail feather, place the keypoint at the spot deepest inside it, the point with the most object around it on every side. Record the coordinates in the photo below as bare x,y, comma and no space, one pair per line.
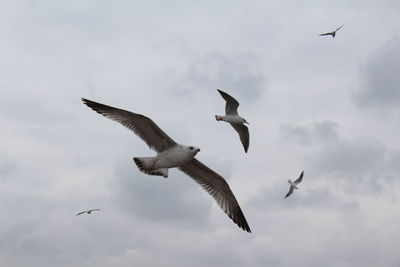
145,165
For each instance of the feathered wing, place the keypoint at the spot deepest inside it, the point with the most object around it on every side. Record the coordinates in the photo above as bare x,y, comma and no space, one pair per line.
142,126
290,191
82,212
243,132
231,103
218,188
298,180
328,33
339,28
94,209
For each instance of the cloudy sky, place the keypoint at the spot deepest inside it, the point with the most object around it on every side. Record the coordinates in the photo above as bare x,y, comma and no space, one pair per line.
328,106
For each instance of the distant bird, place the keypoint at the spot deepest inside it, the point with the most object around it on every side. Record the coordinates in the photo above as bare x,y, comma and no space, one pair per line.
171,155
331,33
86,211
232,117
293,185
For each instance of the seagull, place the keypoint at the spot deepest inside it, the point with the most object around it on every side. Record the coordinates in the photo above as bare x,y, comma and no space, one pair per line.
232,116
86,211
331,33
293,185
173,155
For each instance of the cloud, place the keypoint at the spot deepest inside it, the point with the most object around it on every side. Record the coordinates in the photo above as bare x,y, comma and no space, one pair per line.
177,199
271,198
238,74
6,165
362,164
380,85
301,135
359,160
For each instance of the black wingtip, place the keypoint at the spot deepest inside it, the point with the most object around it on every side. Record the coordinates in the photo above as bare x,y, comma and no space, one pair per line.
222,92
86,101
95,105
245,226
241,220
248,229
89,102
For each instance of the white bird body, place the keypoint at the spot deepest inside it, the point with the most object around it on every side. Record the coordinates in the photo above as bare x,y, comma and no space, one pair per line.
175,157
292,184
234,119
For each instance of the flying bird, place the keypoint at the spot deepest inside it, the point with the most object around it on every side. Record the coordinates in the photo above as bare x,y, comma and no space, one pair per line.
331,33
86,211
293,185
173,155
232,117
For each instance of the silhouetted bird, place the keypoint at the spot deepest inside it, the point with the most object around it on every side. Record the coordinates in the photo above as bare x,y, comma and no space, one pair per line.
86,211
331,33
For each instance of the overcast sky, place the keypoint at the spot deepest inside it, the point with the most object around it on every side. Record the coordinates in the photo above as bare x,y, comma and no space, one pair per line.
330,107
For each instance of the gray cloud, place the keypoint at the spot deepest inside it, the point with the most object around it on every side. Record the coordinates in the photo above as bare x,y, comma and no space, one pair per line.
380,84
6,165
360,160
270,198
362,164
303,135
238,74
176,199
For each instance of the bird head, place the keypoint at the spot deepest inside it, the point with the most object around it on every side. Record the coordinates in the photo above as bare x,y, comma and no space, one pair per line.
193,149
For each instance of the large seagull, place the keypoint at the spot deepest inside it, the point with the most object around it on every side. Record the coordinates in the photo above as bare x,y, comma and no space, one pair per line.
173,155
232,117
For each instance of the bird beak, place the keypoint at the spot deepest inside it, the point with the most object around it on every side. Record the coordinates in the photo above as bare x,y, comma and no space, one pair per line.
246,122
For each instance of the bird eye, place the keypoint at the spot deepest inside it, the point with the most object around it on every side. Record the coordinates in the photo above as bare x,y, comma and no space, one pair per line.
191,148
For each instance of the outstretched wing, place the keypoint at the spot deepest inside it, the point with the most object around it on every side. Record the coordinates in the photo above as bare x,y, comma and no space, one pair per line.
328,33
218,188
298,180
339,28
290,191
82,212
142,126
94,209
243,132
231,103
